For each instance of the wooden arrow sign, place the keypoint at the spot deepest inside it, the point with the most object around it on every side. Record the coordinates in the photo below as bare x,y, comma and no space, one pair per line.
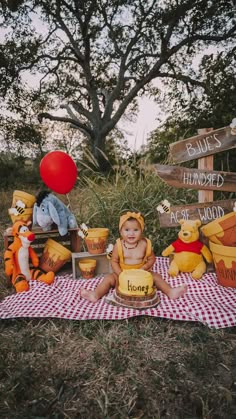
206,212
202,145
181,177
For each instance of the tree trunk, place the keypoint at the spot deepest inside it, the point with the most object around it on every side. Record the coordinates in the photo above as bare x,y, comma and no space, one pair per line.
99,152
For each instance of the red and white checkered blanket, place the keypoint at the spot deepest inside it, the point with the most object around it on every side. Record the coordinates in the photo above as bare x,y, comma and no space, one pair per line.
205,301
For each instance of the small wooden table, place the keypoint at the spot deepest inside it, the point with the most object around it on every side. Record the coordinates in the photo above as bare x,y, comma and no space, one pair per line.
103,265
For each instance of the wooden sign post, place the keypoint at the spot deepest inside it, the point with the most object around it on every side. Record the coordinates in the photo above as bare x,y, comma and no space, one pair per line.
201,147
205,163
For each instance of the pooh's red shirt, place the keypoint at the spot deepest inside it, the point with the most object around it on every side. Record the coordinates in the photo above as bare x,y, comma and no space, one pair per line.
194,247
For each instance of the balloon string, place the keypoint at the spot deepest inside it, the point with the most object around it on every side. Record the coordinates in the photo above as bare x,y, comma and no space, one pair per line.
69,203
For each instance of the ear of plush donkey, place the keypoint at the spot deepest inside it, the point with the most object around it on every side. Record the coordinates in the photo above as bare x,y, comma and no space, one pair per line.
53,213
35,214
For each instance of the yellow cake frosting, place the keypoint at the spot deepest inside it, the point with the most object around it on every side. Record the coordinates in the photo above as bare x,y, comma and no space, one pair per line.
135,282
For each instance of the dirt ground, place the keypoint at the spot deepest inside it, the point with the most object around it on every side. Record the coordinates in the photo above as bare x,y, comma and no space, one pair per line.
139,368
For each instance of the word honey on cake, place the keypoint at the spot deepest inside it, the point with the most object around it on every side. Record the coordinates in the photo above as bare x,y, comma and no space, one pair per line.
135,283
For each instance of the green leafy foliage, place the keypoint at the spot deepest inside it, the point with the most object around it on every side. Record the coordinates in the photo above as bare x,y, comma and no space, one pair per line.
191,110
16,171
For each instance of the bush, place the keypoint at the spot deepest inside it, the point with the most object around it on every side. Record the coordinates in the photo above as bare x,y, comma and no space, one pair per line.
14,171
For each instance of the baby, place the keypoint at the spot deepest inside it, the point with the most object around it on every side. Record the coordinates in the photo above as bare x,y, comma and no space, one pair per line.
132,251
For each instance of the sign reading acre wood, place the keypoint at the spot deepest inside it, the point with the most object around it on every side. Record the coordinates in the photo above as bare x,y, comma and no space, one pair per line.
206,212
190,149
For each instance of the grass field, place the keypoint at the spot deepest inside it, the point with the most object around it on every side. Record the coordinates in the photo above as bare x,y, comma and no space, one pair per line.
138,368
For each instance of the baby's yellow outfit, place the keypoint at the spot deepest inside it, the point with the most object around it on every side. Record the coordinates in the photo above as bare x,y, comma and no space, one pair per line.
121,256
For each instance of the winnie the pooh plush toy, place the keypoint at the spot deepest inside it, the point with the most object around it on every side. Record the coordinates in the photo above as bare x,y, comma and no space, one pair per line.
189,252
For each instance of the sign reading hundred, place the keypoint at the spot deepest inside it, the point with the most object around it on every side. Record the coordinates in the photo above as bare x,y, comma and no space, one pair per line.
182,177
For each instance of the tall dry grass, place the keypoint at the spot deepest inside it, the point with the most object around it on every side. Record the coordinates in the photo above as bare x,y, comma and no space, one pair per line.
100,201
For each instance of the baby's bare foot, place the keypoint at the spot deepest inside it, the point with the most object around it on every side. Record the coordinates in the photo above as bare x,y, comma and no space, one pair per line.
88,295
177,292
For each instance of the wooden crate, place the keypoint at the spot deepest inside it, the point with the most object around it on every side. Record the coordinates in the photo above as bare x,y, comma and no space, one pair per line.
103,263
71,240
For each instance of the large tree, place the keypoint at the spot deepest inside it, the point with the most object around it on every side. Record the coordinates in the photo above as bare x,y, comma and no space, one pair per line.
95,57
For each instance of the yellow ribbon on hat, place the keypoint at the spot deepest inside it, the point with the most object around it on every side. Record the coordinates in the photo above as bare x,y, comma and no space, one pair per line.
135,215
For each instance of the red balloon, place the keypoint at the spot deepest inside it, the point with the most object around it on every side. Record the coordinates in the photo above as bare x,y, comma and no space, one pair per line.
58,171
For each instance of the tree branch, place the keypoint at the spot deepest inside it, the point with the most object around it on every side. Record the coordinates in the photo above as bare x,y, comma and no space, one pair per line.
185,79
77,123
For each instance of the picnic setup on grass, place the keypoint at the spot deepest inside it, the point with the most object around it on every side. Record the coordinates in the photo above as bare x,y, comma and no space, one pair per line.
49,258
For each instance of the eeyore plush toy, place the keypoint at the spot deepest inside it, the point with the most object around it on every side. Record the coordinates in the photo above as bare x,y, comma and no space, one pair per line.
49,210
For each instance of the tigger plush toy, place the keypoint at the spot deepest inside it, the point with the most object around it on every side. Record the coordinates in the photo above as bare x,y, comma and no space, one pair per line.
17,259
